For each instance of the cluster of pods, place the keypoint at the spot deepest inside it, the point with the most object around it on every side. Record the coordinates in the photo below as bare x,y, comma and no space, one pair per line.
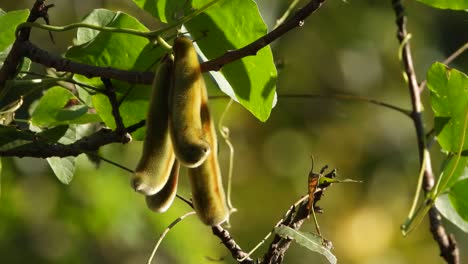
180,131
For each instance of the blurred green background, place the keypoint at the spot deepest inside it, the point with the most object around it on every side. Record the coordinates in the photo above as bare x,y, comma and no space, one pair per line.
343,48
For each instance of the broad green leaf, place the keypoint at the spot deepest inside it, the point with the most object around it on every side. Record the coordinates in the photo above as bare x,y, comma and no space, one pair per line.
308,240
122,51
458,195
449,101
445,207
9,21
164,10
52,110
99,17
64,168
449,174
447,4
221,28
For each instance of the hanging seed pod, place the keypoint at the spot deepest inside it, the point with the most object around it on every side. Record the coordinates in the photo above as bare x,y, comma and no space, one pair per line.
208,195
162,200
157,160
190,145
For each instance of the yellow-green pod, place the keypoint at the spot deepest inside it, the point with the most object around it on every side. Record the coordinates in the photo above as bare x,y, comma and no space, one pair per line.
190,145
208,195
157,159
162,200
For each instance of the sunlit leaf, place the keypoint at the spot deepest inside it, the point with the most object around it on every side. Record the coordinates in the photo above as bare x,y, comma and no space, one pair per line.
447,4
64,168
458,195
449,101
164,10
450,175
9,21
222,28
445,207
308,240
52,110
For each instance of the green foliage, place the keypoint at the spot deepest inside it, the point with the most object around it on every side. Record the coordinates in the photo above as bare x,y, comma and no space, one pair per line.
220,29
450,175
449,101
64,168
52,110
458,195
445,207
307,240
9,22
164,10
447,4
122,51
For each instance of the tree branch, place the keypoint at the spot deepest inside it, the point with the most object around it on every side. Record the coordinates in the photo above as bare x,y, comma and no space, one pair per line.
14,58
47,59
236,252
447,244
41,149
62,64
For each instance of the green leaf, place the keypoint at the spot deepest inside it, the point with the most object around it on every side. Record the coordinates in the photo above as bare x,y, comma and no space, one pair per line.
122,51
445,207
221,28
449,101
164,10
450,175
458,195
447,4
308,240
9,22
64,168
50,110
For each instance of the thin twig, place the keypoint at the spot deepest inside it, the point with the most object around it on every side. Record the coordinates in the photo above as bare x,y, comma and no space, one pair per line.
280,20
287,215
165,233
447,246
224,131
349,97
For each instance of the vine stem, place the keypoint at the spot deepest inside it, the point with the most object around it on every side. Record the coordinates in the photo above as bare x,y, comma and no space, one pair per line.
163,235
145,34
